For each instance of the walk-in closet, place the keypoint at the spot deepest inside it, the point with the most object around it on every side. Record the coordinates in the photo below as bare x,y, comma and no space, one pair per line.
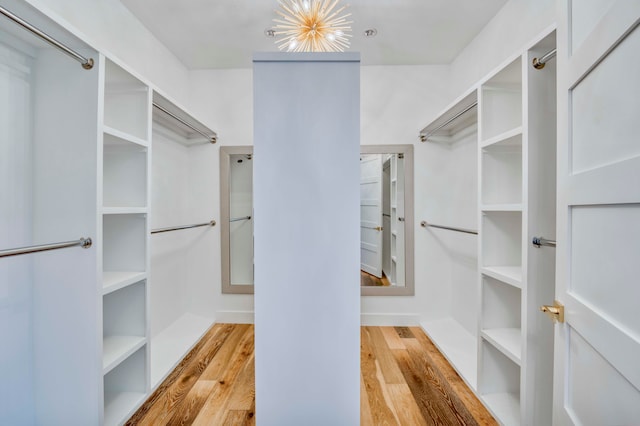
312,212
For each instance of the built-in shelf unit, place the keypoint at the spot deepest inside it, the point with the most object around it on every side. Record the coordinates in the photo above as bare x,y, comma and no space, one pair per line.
506,359
516,153
125,241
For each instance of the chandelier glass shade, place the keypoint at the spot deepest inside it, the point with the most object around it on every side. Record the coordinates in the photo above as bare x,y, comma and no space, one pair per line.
312,26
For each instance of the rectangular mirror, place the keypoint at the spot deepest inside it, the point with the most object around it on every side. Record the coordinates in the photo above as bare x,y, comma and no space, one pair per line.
386,220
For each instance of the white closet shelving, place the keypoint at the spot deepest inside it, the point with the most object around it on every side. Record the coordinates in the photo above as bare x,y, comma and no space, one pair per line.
455,333
177,277
517,201
85,168
125,233
506,358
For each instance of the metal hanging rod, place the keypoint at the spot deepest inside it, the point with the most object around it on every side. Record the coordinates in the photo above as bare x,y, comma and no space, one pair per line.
177,228
87,63
212,139
541,241
82,242
238,219
426,136
424,224
540,63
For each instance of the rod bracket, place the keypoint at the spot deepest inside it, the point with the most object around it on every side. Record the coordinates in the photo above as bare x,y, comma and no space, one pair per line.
85,243
88,65
537,64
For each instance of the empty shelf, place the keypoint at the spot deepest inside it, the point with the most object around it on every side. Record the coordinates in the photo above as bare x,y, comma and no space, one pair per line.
115,280
508,274
119,405
118,137
506,340
116,349
504,406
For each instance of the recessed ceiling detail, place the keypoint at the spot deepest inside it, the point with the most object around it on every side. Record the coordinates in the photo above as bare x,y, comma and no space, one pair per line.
226,33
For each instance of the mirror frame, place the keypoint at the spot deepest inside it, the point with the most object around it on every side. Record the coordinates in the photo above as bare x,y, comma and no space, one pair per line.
409,270
406,150
225,230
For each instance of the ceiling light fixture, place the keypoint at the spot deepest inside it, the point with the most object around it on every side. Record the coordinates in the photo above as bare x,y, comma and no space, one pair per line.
312,26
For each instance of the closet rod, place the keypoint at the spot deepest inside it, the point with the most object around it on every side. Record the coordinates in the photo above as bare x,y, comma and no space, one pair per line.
540,63
82,242
238,219
177,228
87,63
541,241
424,224
424,137
211,139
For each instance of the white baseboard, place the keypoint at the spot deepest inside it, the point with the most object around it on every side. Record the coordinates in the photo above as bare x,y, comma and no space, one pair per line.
235,317
397,320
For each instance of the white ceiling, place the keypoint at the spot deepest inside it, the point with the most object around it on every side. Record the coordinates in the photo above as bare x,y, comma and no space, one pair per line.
225,33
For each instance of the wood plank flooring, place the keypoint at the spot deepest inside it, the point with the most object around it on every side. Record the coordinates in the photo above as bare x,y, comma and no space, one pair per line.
404,381
368,280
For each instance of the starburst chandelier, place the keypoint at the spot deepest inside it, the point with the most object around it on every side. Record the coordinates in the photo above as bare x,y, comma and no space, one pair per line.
312,26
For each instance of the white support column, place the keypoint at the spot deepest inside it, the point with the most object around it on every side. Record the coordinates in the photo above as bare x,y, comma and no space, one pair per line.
306,205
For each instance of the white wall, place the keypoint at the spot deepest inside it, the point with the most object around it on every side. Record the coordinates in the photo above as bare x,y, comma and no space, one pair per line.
170,207
111,28
396,101
518,22
16,120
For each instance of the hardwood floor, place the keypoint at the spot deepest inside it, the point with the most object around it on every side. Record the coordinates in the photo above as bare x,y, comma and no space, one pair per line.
368,280
404,381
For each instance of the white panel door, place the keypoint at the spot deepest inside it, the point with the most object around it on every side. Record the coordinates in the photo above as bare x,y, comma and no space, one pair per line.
371,214
597,349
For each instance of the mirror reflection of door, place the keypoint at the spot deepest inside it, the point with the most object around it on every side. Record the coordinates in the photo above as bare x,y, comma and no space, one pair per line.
241,218
386,199
382,220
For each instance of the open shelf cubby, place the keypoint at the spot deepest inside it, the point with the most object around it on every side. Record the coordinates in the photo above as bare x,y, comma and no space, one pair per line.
501,101
126,102
502,172
125,175
124,243
124,325
500,385
501,317
502,241
125,388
